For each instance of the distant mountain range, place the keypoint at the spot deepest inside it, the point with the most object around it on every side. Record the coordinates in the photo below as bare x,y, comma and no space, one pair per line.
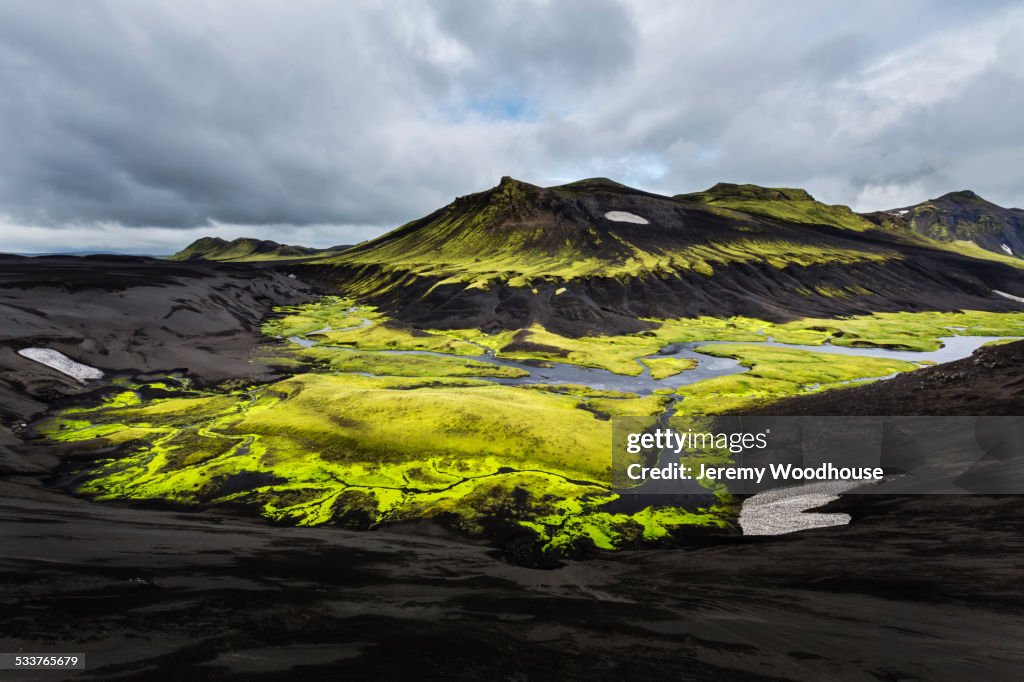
246,249
955,217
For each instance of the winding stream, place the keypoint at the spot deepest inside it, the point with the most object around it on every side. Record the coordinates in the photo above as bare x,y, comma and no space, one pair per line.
708,366
952,348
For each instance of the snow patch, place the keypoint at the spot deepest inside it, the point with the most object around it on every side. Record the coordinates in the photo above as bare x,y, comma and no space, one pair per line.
62,363
903,212
1007,249
626,217
783,510
1009,296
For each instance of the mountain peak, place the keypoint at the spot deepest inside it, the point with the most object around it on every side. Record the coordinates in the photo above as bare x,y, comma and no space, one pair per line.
594,184
960,216
748,192
964,196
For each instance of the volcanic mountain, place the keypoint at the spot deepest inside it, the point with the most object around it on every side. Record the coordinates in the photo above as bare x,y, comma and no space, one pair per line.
245,249
596,256
960,217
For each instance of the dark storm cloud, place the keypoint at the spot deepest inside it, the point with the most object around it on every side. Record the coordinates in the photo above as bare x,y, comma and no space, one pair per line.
150,123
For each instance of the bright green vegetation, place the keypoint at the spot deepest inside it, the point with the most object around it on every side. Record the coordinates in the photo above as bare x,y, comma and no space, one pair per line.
481,265
389,336
614,353
997,342
662,368
329,312
781,203
322,448
339,322
333,359
846,292
903,331
579,390
777,373
622,354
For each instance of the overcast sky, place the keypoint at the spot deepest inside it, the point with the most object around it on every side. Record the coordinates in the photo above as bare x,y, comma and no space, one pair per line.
141,125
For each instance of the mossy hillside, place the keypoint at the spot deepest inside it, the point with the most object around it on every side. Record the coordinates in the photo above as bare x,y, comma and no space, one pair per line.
517,254
777,373
521,235
517,266
780,203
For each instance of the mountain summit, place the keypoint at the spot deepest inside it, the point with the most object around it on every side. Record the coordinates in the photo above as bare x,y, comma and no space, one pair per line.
597,256
960,216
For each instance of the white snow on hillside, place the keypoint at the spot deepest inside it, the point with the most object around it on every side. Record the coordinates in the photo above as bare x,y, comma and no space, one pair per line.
61,363
626,217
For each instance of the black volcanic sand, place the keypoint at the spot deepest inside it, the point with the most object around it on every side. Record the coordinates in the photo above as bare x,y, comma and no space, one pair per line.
130,315
990,382
914,588
925,588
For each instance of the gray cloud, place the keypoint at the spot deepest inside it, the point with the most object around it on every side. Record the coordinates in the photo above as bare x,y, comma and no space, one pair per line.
149,123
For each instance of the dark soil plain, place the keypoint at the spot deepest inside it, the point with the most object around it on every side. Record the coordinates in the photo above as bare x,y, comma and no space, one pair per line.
914,588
